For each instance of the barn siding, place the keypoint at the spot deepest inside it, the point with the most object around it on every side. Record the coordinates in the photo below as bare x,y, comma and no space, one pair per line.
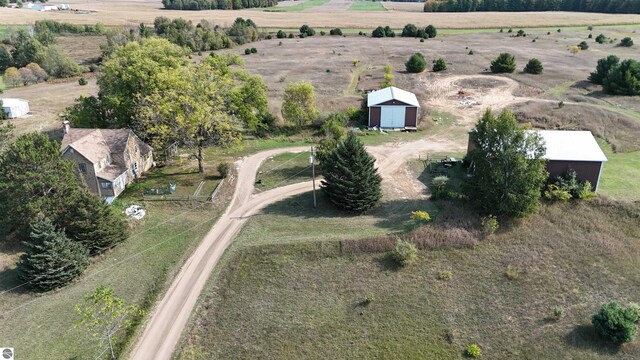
411,117
374,116
393,102
585,170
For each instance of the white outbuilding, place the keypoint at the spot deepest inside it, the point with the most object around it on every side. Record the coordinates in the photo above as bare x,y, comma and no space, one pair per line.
393,108
15,107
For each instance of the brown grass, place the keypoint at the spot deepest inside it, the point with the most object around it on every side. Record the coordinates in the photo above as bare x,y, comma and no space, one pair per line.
131,13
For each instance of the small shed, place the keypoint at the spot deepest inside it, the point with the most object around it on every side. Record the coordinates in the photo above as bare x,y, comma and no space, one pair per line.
15,107
577,150
393,108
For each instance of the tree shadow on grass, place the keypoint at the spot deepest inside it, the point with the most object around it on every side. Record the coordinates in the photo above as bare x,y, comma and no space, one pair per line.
9,280
585,337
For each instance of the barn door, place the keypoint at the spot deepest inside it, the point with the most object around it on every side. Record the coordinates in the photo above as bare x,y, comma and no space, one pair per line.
392,117
398,116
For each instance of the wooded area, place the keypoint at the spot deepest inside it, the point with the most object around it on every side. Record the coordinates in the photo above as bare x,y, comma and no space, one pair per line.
602,6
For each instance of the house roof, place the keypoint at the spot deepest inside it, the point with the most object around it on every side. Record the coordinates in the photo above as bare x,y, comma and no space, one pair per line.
95,144
391,93
571,145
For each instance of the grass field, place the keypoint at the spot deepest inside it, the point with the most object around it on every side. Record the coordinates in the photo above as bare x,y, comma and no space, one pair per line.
620,174
42,327
284,169
303,5
306,299
186,178
366,5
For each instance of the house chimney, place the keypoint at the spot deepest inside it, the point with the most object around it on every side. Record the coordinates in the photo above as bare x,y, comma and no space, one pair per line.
65,127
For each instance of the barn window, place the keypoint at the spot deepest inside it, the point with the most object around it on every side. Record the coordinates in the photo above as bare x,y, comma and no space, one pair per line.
105,185
82,167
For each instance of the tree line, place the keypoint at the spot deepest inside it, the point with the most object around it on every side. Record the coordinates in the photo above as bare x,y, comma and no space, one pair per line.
216,4
600,6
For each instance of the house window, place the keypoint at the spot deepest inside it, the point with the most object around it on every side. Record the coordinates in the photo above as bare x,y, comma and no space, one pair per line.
135,168
82,167
105,185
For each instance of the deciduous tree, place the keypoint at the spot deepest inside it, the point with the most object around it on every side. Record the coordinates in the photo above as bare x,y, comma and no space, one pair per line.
509,169
299,104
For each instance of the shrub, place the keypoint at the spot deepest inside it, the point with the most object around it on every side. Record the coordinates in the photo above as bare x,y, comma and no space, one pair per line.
445,275
431,31
368,299
521,33
489,225
504,63
355,62
281,34
534,66
601,39
82,81
420,216
307,30
361,33
512,272
590,36
470,52
510,30
617,323
291,36
561,104
501,30
247,51
224,169
439,65
585,193
583,45
554,193
378,32
58,64
254,50
626,42
269,37
558,312
559,30
404,253
335,31
322,33
410,30
590,28
421,40
439,187
416,63
473,351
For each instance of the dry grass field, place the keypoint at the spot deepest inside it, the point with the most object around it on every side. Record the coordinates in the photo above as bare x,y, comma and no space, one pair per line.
115,12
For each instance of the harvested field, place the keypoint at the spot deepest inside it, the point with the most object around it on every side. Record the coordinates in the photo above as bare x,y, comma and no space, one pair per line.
82,49
131,13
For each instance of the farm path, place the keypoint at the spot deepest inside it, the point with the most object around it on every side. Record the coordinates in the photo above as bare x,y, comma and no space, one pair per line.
162,331
332,6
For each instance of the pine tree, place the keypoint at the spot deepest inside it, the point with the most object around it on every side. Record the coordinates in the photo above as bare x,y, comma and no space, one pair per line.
93,223
534,66
351,182
51,260
504,63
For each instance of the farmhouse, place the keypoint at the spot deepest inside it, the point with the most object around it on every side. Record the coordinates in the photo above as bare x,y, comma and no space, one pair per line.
15,107
107,159
576,150
393,108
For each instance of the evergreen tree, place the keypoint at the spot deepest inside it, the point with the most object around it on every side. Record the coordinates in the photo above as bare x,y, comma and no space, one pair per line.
94,224
504,63
534,66
439,65
602,69
623,79
416,63
51,260
6,61
410,30
509,169
378,32
351,182
431,31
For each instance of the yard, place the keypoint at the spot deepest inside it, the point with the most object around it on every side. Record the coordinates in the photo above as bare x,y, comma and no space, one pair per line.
295,293
367,5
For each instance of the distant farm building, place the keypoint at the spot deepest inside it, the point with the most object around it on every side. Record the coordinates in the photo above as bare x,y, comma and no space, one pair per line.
570,150
393,108
15,107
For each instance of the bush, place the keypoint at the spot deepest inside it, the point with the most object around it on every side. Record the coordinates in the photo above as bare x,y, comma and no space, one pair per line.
561,104
416,63
281,34
504,63
470,52
335,31
291,36
559,30
368,299
82,81
224,169
534,66
521,33
322,33
378,32
583,45
410,30
512,272
617,323
590,36
420,216
601,39
307,30
445,275
58,64
404,253
431,31
473,351
388,32
554,193
247,51
489,225
558,312
439,65
626,42
510,30
254,50
439,187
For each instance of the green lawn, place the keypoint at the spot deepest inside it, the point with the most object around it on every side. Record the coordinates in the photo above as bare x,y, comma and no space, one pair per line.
186,178
298,7
619,178
365,5
284,169
295,294
42,327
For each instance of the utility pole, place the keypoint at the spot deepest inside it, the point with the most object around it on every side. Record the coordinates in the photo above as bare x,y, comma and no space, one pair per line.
312,162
